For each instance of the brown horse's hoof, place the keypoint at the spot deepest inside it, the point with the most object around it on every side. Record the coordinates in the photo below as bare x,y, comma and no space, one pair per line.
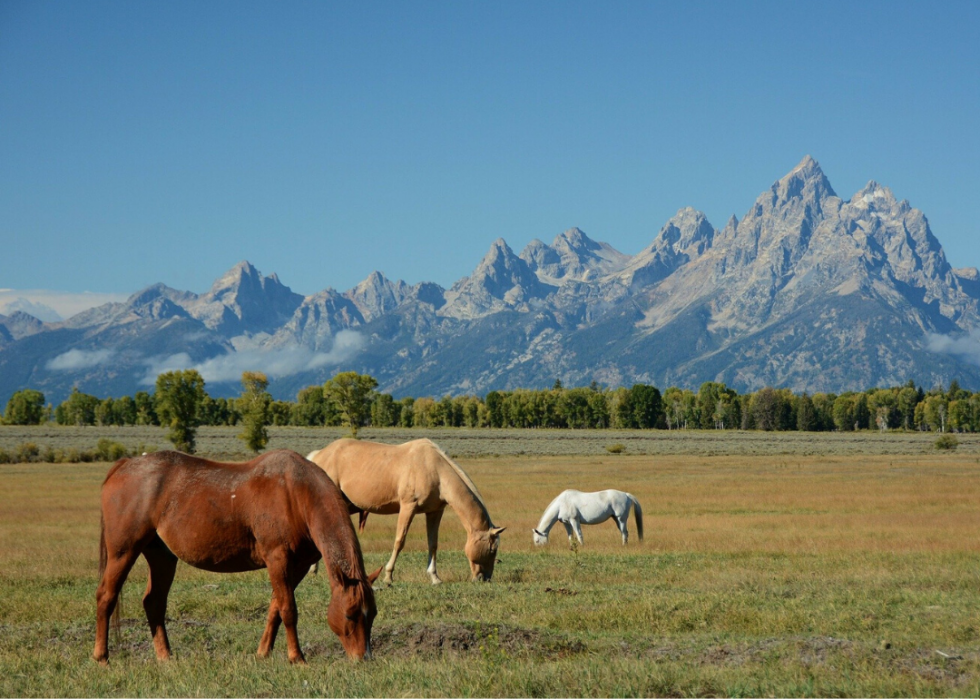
298,660
104,662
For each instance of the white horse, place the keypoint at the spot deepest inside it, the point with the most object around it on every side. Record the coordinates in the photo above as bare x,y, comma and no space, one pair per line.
573,509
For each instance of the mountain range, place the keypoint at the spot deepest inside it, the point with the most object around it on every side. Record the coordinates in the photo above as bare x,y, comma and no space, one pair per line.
807,291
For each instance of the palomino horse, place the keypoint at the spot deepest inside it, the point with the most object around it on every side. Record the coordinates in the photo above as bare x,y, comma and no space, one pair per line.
412,478
277,512
573,509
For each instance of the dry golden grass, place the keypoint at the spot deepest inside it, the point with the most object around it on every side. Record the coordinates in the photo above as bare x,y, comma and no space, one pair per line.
766,574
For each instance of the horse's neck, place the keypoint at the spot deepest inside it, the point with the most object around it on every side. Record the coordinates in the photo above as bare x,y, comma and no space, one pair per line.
465,502
549,517
340,552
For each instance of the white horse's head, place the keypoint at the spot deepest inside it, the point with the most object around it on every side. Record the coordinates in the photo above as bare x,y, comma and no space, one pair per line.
539,538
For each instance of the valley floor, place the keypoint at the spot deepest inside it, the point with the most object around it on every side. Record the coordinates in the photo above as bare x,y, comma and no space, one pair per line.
773,564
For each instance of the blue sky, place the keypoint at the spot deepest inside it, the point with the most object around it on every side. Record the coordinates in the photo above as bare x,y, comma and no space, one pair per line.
166,141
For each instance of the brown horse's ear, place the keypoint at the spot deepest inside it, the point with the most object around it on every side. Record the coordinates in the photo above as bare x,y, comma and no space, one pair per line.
495,531
374,576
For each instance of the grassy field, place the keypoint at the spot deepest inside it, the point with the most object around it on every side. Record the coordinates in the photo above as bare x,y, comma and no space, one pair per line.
831,565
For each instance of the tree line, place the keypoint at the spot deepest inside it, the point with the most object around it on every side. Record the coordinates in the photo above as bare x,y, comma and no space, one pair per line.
349,399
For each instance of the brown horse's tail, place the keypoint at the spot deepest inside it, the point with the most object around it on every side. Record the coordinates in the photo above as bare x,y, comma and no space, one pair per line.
103,563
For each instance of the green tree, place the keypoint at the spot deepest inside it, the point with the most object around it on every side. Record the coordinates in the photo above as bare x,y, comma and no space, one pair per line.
77,409
179,397
254,404
495,408
806,415
25,408
383,411
647,405
406,412
351,393
146,413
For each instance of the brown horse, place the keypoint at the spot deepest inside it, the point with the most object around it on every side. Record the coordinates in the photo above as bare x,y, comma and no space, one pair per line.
276,511
409,479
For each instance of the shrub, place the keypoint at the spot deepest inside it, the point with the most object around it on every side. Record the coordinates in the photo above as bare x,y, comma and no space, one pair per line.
947,442
5,458
615,448
27,452
108,450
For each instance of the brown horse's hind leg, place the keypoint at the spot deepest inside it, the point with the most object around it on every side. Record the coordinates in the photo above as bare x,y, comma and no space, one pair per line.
163,565
116,570
405,516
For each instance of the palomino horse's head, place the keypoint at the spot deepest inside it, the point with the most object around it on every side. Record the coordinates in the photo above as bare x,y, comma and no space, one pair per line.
481,549
351,613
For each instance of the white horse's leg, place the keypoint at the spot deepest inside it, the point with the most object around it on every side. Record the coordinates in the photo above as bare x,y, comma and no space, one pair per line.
568,530
432,520
623,524
577,527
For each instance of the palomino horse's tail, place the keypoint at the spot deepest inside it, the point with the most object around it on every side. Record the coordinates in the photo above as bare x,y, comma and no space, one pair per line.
103,563
638,513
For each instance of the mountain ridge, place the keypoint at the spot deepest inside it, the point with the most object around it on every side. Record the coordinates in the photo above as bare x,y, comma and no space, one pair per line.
807,291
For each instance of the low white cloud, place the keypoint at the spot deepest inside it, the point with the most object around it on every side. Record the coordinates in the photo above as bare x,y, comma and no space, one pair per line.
75,359
65,304
274,363
964,347
38,310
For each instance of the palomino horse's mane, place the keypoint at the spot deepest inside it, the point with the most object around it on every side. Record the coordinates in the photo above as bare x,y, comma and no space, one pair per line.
461,473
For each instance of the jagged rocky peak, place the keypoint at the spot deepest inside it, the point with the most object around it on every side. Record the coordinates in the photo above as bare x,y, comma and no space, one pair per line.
685,237
501,280
573,256
21,324
805,181
688,231
377,294
242,300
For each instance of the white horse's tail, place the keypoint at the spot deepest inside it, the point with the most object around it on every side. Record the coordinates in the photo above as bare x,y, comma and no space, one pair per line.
638,513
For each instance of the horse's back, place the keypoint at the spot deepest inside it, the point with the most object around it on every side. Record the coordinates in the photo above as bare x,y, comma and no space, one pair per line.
375,475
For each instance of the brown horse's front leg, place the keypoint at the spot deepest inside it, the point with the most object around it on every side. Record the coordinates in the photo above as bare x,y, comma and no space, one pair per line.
163,565
405,516
282,590
271,629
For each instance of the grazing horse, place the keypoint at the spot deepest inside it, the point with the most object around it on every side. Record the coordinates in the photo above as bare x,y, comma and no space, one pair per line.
573,509
409,479
276,511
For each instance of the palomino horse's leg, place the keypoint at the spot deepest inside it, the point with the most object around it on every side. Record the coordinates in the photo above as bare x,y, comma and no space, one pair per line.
117,568
274,620
405,516
432,520
282,591
163,565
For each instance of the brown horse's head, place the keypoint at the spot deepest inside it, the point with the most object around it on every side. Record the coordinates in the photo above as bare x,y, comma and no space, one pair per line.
351,613
481,549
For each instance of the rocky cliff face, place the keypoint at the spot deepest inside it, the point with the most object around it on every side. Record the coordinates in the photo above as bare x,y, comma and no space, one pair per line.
807,291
